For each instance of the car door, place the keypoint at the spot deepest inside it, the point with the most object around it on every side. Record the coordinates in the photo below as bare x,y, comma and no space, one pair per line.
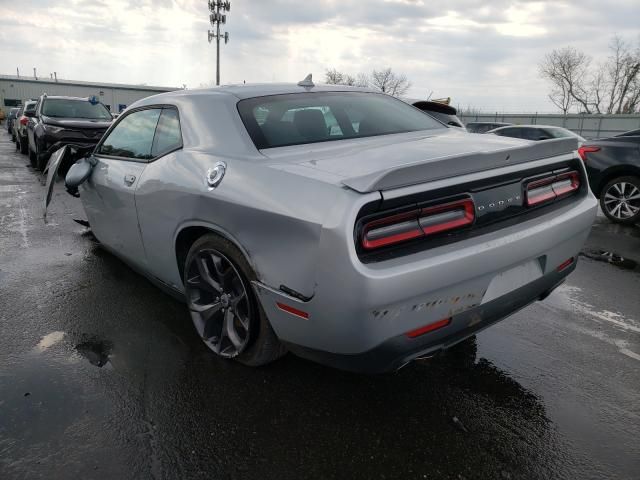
109,194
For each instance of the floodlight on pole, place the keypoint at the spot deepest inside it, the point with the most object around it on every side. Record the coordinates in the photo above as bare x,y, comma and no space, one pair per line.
216,19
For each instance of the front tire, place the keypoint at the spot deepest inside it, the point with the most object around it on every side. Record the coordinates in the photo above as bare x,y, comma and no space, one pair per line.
41,159
223,306
620,200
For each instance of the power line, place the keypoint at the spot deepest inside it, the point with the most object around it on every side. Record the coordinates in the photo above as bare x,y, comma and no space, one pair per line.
216,19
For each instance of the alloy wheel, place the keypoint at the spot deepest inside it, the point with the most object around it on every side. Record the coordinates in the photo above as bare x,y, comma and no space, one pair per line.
622,200
219,303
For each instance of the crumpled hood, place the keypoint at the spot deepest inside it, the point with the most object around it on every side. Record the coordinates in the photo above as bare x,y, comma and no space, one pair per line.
76,123
392,161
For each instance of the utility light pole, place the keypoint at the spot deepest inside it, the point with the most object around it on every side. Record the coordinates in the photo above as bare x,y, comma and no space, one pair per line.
216,19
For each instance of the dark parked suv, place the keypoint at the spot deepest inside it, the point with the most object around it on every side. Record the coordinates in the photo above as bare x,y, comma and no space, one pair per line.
60,121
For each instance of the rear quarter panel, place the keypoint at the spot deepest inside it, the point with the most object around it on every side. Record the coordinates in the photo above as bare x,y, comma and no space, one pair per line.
276,218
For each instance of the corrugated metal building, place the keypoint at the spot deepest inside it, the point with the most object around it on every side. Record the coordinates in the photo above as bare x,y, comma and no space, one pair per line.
116,96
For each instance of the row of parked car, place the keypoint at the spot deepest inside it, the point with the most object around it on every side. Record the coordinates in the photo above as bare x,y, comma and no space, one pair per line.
41,126
333,222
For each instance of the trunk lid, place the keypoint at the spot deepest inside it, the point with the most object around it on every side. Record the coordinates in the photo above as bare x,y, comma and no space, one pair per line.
394,161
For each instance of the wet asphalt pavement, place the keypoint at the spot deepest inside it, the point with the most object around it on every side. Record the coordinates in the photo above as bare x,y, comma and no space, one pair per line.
102,376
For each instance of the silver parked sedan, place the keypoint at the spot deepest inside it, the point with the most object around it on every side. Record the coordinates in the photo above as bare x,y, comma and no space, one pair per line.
334,222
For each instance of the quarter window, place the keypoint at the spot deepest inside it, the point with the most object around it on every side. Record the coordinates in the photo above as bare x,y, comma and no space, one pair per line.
168,136
133,136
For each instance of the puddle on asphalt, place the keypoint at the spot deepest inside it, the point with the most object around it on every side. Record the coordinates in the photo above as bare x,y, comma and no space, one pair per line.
612,258
97,352
49,340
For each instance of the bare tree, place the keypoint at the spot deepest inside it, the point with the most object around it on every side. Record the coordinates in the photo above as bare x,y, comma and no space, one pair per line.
362,80
335,77
560,97
389,82
610,87
566,70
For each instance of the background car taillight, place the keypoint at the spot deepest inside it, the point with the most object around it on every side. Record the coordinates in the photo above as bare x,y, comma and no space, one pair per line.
24,120
418,223
582,151
550,188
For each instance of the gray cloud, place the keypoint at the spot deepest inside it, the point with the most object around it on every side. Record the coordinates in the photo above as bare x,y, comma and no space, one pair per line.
483,54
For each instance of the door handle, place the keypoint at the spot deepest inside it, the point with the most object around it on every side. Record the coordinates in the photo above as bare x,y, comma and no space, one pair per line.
129,179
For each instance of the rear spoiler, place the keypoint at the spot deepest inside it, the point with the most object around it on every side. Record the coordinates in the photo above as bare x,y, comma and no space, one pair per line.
460,164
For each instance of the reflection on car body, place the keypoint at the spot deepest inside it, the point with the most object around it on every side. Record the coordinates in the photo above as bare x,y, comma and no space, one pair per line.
334,222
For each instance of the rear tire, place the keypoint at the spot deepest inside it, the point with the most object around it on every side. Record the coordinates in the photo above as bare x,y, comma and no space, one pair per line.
224,308
620,200
33,160
24,146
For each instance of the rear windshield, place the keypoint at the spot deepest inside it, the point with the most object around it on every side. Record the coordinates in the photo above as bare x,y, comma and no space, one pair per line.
30,107
300,118
65,108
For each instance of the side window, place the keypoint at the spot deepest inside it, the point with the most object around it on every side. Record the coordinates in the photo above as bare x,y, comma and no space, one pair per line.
133,136
514,132
168,136
505,132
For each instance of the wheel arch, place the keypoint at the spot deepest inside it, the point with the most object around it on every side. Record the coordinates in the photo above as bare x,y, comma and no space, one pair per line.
613,172
189,232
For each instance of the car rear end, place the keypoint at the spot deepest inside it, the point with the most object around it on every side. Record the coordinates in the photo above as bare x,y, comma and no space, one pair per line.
433,235
23,119
428,266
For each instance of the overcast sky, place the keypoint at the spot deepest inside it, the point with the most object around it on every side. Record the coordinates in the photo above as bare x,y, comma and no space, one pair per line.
482,54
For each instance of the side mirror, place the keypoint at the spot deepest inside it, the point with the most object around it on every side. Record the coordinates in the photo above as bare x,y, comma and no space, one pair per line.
79,172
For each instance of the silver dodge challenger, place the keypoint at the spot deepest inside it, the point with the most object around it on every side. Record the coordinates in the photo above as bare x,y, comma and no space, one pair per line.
337,223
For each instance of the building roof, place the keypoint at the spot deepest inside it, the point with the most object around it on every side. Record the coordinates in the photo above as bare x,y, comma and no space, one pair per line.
80,83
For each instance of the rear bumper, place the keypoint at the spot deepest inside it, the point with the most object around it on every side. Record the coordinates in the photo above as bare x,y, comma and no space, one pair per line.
396,352
359,311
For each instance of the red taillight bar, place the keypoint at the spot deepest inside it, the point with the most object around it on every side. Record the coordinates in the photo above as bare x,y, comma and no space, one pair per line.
429,328
582,151
447,217
394,229
418,223
564,264
293,311
24,120
551,188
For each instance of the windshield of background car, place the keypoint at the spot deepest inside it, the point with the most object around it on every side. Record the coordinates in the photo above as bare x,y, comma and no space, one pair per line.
301,118
30,107
65,108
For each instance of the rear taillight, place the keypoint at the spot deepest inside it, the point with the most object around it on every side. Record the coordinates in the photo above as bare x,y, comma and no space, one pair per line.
550,188
24,120
429,328
582,151
418,223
